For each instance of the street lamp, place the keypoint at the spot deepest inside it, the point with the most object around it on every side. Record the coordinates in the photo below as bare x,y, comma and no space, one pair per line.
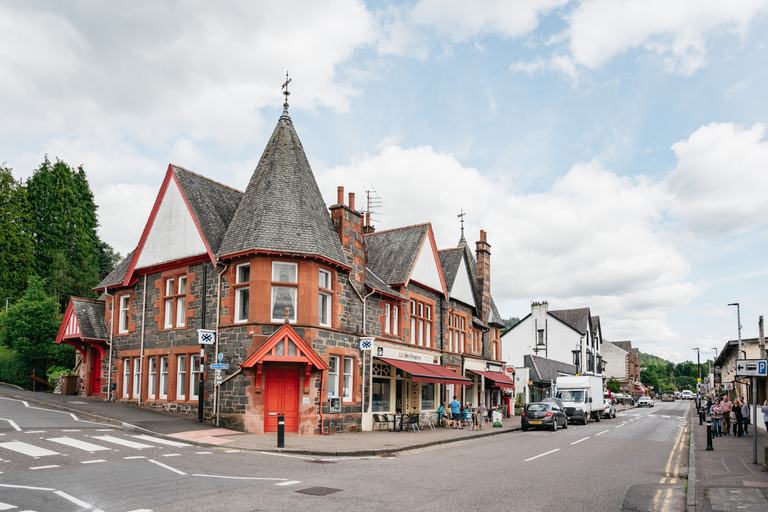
738,319
698,361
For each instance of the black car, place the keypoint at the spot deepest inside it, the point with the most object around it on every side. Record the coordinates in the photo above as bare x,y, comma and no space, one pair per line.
544,415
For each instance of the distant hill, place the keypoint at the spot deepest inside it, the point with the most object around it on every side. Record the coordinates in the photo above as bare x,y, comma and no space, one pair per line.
646,359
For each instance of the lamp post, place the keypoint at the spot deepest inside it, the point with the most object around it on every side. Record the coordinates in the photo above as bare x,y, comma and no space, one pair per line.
698,398
738,320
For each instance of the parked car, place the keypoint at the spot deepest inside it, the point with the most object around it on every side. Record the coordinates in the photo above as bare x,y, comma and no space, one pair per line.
543,415
610,409
668,397
644,401
688,394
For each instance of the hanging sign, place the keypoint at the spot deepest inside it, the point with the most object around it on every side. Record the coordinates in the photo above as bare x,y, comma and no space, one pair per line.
366,343
206,337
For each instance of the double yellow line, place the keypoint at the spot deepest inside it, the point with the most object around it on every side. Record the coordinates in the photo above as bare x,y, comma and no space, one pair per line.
672,473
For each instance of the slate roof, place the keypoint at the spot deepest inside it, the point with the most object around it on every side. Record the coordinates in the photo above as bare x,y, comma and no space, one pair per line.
212,203
547,370
282,209
117,276
626,346
90,317
373,282
578,319
392,253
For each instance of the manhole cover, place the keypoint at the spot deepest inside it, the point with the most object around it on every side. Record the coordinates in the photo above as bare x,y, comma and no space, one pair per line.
316,461
319,491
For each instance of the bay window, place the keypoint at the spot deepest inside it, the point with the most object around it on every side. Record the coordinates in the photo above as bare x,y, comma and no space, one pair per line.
284,284
242,292
324,298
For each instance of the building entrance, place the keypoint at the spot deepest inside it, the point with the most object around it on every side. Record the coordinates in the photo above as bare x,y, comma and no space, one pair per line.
281,397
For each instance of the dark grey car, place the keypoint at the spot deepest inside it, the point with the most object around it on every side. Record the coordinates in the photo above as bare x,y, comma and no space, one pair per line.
543,415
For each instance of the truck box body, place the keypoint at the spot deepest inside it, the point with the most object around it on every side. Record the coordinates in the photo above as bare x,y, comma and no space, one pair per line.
582,397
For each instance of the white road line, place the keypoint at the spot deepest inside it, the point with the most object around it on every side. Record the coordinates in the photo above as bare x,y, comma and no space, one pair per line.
13,424
135,457
11,486
27,449
92,461
72,430
169,468
74,500
543,454
141,510
81,445
171,455
288,456
580,440
231,451
74,417
601,433
227,477
204,453
25,403
290,482
619,426
161,441
45,467
6,506
123,442
35,431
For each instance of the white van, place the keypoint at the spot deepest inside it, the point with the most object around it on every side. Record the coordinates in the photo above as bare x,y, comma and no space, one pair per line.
687,394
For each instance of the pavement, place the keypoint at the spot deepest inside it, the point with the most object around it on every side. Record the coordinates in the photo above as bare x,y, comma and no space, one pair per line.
722,479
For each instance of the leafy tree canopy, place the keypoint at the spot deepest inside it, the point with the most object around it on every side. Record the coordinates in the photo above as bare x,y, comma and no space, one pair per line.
15,238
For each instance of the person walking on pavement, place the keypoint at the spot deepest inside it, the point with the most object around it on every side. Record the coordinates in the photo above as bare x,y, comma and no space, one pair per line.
456,412
717,418
745,415
738,429
726,406
764,410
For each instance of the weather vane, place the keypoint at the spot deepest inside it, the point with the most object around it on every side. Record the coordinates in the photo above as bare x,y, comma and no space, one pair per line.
285,86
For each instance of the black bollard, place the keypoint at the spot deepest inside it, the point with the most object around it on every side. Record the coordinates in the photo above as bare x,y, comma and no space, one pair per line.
280,431
709,436
701,417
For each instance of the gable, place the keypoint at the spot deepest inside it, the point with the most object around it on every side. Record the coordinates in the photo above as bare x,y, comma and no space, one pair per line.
427,270
171,234
462,286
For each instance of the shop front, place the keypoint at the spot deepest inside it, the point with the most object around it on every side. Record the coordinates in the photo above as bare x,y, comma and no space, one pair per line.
408,381
490,384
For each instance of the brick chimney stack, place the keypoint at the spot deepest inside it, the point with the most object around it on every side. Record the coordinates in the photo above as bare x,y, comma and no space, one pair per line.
483,259
349,225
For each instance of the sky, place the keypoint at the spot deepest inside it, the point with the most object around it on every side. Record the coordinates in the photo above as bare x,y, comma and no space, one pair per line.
614,151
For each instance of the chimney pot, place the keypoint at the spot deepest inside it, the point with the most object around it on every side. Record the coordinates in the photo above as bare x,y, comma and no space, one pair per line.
340,194
352,200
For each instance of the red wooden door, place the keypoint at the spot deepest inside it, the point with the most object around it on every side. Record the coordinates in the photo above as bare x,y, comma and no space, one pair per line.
95,372
281,397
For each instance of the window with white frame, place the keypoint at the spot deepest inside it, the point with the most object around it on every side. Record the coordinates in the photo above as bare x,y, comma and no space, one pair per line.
284,279
194,376
136,376
152,378
242,292
125,302
387,317
181,302
324,299
333,376
126,378
169,287
413,322
421,323
181,377
395,320
347,387
164,377
175,302
428,326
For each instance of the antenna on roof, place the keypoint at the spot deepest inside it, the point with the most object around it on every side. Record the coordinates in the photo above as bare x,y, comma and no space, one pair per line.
373,200
286,93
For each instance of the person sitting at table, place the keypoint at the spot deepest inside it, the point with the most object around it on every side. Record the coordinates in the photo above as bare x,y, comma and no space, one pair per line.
465,414
442,417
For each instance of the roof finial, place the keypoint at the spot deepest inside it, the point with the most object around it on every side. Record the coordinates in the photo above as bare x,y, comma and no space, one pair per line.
462,240
286,93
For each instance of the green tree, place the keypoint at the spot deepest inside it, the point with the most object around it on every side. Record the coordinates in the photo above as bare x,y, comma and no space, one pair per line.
15,239
613,385
648,377
108,259
686,382
63,223
29,328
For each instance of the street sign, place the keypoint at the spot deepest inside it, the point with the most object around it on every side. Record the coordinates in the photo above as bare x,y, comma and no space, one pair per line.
221,356
219,366
366,343
206,337
751,368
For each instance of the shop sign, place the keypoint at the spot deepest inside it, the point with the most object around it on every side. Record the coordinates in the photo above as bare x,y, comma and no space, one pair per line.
406,355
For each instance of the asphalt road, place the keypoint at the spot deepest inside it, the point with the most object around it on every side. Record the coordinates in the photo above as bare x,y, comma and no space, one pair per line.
52,461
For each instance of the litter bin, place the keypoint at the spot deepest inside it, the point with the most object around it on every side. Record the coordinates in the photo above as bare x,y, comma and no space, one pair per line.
69,384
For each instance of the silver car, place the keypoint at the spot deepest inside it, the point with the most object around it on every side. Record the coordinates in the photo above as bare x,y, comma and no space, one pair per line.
645,401
610,409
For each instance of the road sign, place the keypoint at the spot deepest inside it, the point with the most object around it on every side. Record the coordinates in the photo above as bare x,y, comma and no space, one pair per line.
206,337
751,368
221,356
219,366
366,343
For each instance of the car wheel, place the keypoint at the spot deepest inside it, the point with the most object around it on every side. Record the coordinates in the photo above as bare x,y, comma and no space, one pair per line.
565,423
554,424
598,417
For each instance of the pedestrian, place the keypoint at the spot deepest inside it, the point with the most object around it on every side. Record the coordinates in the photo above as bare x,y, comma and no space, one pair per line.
726,406
717,418
456,412
738,428
745,415
442,416
764,410
465,415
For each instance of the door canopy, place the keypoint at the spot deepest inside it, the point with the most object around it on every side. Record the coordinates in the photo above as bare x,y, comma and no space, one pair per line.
285,346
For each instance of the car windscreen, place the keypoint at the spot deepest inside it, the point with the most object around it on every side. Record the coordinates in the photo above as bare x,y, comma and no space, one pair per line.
571,395
536,407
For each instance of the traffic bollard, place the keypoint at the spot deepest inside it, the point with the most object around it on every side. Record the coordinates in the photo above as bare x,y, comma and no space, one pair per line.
280,431
701,417
709,436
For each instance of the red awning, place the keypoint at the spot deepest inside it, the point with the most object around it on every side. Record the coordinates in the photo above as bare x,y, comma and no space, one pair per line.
422,372
498,378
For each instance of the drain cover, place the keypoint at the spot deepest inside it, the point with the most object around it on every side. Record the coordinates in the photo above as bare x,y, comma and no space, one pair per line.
317,461
319,491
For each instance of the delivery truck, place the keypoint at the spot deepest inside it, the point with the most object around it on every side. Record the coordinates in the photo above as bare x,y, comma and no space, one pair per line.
582,397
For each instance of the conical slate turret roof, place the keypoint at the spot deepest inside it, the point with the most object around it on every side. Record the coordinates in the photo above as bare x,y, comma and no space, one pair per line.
282,209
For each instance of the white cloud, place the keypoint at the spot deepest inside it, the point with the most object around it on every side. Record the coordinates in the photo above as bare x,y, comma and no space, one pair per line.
677,31
718,187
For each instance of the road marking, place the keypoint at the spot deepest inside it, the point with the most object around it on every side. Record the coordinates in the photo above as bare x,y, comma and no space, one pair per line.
290,482
105,430
74,417
25,403
27,449
580,440
619,426
6,506
305,458
231,451
171,455
44,467
92,461
601,433
13,424
169,468
72,430
123,442
543,454
82,445
135,457
141,510
35,432
227,477
74,500
204,453
30,488
161,441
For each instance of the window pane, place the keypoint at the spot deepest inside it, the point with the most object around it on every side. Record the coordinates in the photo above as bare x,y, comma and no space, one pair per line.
324,306
183,284
347,378
169,287
136,381
126,378
243,274
242,299
325,279
151,377
284,272
283,297
333,376
164,377
380,393
421,331
427,395
181,377
169,313
194,377
181,311
387,310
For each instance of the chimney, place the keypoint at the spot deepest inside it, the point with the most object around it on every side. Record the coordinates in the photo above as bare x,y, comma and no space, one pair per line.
348,223
483,258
